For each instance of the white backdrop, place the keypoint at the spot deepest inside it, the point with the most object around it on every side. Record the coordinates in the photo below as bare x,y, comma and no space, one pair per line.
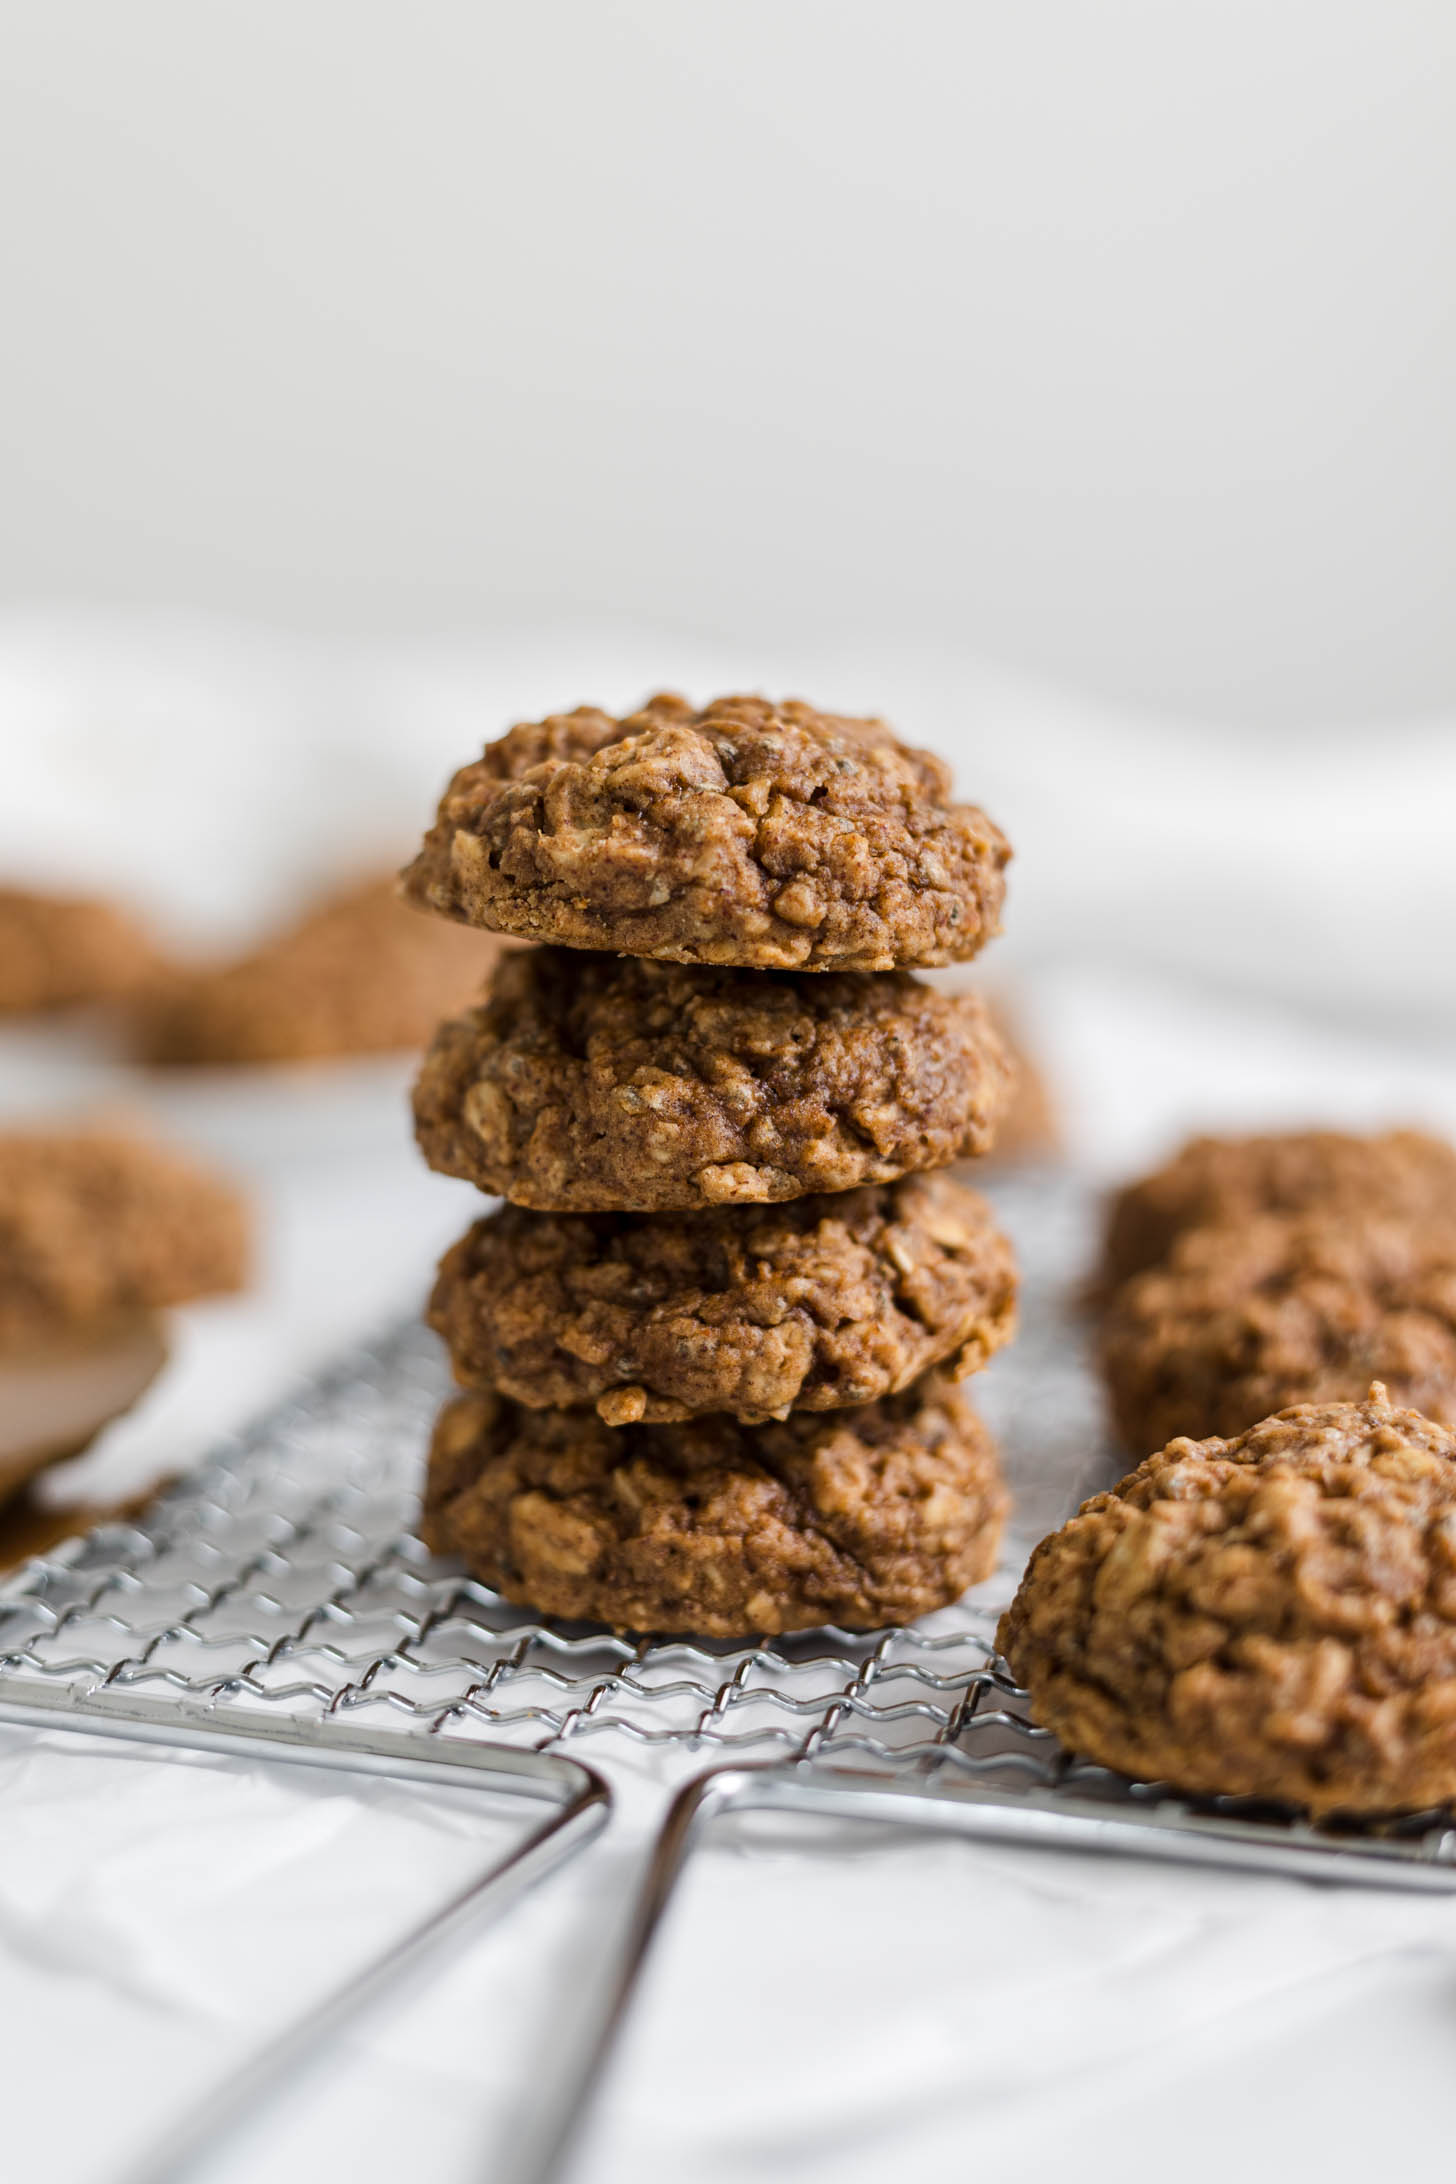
1115,342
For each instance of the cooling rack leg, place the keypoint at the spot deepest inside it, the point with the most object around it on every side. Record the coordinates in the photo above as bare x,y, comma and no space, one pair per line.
1172,1834
264,2074
687,1817
579,1803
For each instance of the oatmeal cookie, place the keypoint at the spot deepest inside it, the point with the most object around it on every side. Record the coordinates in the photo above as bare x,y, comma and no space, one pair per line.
94,1225
1218,1182
859,1518
1288,1309
59,950
748,833
754,1310
1270,1616
362,973
591,1084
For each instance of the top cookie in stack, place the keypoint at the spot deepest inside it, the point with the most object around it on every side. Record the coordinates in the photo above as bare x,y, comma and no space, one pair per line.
707,1395
767,836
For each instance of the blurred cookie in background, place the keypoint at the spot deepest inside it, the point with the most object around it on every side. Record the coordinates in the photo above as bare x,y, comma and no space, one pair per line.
99,1224
1221,1182
99,1232
61,951
1241,1321
360,973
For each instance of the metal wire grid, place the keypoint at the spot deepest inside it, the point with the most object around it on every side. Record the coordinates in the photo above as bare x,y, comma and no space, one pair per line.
282,1582
283,1579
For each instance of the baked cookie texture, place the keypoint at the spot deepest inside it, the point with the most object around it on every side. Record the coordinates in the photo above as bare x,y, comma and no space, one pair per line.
757,1310
1240,1322
361,973
747,833
1219,1182
858,1518
59,950
1269,1616
593,1084
97,1225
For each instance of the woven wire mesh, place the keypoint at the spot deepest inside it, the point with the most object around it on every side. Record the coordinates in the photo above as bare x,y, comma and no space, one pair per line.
283,1576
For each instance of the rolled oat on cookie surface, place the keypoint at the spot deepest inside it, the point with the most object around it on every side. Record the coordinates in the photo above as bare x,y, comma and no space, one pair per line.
861,1518
765,835
596,1084
758,1310
1271,1616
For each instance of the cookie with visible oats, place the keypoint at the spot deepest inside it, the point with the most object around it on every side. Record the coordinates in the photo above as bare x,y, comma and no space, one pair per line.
1270,1616
859,1518
754,1310
599,1084
749,833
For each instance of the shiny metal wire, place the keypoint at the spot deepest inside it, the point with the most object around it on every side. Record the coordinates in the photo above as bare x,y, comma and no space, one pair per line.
279,1592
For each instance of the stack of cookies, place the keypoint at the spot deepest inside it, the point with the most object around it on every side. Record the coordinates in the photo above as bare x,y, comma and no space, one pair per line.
711,1344
1252,1273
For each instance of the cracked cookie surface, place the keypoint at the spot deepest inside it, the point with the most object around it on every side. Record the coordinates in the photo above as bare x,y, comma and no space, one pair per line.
815,1305
860,1518
600,1084
748,833
1240,1322
1269,1616
1217,1182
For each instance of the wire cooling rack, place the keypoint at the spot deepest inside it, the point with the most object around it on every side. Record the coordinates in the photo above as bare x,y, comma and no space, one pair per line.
281,1584
279,1589
277,1599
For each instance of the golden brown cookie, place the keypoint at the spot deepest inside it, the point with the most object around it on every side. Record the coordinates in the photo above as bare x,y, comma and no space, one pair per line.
361,973
1240,1322
748,833
753,1310
1270,1616
58,950
858,1518
1219,1182
95,1225
596,1084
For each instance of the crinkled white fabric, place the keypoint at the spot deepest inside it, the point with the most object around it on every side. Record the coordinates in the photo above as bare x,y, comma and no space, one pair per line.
1203,932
